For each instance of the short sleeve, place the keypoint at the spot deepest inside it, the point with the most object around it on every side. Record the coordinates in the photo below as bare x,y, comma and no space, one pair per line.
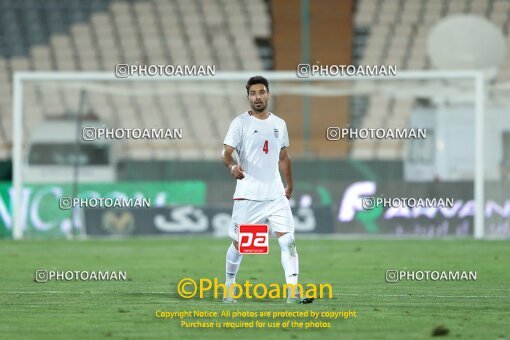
234,134
285,137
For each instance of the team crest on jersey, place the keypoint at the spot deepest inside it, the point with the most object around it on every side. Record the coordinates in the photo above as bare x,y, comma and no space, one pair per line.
276,133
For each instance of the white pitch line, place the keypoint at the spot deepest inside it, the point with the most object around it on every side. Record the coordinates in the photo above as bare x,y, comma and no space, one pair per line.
342,294
436,296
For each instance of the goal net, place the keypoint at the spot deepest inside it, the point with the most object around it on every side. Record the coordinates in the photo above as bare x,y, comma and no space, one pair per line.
440,136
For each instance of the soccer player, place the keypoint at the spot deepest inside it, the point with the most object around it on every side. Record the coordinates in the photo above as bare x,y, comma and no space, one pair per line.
260,139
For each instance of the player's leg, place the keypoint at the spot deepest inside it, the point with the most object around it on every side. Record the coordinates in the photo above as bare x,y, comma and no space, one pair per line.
233,262
289,257
233,257
244,212
282,223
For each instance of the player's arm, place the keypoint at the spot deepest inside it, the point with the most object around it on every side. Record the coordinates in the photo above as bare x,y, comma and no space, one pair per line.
228,159
286,170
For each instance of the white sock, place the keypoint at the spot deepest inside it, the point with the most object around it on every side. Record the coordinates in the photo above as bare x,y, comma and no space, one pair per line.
233,262
290,260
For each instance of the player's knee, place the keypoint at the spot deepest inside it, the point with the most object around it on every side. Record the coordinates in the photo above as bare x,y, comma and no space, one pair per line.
235,244
288,243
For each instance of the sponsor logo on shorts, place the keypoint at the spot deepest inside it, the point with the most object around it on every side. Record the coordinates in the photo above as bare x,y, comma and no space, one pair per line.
253,239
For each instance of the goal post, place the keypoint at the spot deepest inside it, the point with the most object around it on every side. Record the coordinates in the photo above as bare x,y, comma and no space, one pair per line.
283,83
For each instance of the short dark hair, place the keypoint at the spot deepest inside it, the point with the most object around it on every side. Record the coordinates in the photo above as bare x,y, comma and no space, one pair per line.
256,80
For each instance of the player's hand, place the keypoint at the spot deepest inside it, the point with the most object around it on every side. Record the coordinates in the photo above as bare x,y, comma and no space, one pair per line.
288,191
237,171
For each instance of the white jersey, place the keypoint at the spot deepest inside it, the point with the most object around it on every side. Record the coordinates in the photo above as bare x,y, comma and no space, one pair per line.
258,143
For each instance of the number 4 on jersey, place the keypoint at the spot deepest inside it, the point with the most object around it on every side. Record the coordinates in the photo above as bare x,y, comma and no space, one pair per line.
265,148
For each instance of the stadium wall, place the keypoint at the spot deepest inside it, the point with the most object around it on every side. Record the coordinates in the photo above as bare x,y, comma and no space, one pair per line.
321,34
5,170
199,207
301,170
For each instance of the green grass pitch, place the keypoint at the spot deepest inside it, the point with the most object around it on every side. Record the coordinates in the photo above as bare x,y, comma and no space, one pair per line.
355,268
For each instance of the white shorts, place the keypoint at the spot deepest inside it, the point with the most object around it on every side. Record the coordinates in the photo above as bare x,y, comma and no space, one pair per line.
275,213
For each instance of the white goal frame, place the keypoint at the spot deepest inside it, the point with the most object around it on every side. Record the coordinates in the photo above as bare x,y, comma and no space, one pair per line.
477,77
